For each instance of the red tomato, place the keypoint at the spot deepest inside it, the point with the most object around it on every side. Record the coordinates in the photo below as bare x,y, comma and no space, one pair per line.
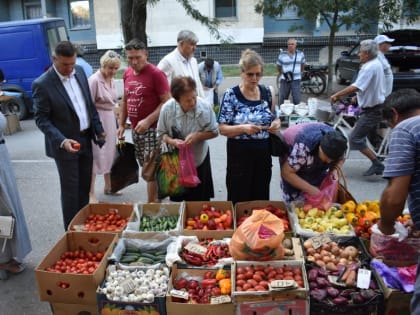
76,146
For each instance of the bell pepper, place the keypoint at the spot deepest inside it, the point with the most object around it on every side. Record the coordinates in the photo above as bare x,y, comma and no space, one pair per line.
204,217
221,274
225,286
348,206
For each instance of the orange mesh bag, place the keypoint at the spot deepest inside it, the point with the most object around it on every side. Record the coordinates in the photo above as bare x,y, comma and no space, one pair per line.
258,238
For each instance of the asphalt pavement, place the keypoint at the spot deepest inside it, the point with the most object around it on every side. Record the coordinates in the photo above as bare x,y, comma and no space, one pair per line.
38,183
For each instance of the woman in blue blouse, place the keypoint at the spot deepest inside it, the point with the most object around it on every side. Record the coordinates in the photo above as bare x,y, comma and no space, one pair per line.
247,115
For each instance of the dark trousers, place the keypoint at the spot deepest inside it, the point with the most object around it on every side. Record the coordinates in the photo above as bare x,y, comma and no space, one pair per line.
75,177
248,173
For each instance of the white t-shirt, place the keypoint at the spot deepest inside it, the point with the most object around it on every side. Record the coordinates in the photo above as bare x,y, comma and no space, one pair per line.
286,62
370,84
389,76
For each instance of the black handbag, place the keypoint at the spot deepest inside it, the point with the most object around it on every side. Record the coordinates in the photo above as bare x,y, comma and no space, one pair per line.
125,169
278,145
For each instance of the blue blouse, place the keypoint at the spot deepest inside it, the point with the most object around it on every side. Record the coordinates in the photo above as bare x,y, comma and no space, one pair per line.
235,109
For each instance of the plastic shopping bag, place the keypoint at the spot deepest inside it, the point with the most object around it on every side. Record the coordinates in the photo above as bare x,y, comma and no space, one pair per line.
258,238
327,196
188,173
167,175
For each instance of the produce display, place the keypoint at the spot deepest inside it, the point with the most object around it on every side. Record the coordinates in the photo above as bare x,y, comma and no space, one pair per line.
163,223
77,261
210,218
362,216
259,276
317,220
141,286
200,289
109,222
140,257
323,291
280,213
204,253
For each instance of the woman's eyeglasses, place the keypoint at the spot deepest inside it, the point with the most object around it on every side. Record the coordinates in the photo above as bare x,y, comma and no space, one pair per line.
113,54
252,74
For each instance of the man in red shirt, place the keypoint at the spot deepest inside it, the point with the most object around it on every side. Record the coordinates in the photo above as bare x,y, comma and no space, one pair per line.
145,90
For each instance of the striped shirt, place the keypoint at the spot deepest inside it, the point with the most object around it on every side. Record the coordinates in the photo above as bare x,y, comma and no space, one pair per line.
404,159
286,62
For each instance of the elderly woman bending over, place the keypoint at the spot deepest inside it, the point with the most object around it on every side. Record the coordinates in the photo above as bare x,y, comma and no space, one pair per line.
188,119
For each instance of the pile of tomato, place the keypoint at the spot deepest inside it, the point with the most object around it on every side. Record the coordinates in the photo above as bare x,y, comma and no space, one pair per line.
109,222
78,262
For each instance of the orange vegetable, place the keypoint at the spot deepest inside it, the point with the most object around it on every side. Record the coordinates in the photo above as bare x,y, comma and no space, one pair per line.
348,206
221,274
225,286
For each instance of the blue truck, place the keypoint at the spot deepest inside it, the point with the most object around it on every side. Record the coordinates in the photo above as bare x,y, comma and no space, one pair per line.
25,53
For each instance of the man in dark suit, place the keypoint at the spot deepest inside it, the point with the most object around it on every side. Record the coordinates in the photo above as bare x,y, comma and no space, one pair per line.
66,114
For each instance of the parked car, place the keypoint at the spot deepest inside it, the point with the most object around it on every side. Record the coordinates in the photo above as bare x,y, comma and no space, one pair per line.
403,56
26,51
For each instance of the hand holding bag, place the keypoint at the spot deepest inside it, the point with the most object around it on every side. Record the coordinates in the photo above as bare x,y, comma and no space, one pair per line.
327,195
7,224
125,170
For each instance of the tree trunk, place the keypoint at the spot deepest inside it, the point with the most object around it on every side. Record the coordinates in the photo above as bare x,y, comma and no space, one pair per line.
133,19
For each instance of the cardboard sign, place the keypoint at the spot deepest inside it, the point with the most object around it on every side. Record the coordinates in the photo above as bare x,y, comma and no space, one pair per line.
196,248
319,240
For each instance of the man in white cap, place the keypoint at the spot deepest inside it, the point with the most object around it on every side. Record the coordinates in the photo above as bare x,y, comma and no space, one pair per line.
384,43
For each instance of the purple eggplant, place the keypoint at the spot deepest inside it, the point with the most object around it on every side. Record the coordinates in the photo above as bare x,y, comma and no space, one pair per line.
357,298
368,294
346,293
333,292
313,274
340,300
322,282
322,273
319,294
313,285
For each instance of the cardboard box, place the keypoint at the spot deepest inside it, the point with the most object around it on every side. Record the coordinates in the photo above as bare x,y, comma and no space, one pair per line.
242,208
105,306
13,125
81,288
174,308
154,210
397,303
126,211
74,309
251,296
193,208
284,307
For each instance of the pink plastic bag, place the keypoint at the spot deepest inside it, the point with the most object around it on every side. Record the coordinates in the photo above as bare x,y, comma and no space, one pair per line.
187,171
327,196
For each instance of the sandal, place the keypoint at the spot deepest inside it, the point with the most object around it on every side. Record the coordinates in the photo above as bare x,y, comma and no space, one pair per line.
110,193
13,267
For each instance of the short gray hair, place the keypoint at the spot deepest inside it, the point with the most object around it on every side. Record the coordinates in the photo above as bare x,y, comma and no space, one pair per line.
369,46
187,36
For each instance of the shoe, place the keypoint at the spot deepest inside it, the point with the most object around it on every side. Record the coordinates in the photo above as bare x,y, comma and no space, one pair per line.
110,193
12,267
375,169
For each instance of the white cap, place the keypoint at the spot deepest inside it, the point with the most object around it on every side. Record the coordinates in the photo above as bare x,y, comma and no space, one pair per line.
383,39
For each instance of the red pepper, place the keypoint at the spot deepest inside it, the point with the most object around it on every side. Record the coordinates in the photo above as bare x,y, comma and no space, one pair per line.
191,259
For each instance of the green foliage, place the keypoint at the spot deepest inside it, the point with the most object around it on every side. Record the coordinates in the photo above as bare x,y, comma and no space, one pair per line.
270,69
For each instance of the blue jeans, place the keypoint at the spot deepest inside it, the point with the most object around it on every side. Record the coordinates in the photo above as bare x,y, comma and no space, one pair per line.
286,88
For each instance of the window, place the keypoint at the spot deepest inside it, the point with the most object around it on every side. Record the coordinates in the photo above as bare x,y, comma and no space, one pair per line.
79,14
225,8
32,10
288,13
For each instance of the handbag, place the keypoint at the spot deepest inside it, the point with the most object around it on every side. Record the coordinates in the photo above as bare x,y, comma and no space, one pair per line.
167,175
125,170
148,170
343,195
7,224
278,145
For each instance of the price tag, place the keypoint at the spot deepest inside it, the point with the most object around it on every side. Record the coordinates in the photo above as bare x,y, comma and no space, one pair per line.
78,227
180,294
319,240
128,286
221,299
282,284
363,278
196,248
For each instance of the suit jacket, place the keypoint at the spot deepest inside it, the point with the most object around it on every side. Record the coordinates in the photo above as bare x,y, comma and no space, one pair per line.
172,66
55,115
